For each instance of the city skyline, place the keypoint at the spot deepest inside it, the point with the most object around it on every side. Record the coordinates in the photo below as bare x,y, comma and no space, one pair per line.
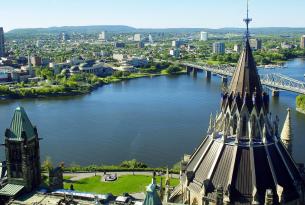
153,14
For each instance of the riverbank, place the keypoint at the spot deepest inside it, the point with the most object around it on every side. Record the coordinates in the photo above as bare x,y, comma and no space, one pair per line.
6,93
300,104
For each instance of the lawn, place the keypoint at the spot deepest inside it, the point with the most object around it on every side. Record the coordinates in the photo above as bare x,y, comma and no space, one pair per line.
127,183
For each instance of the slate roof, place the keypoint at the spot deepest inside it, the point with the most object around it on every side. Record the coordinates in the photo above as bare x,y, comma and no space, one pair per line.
242,182
246,78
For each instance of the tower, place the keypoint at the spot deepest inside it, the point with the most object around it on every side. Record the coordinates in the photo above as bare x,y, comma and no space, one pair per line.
22,152
302,45
242,160
2,48
287,135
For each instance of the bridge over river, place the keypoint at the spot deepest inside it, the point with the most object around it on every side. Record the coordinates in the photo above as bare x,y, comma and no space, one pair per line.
275,82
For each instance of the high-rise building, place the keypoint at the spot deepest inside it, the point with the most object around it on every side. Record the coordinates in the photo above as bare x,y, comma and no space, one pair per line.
150,39
175,53
303,41
203,36
256,44
2,48
237,48
103,36
177,43
141,44
65,37
218,47
22,155
137,37
36,61
243,159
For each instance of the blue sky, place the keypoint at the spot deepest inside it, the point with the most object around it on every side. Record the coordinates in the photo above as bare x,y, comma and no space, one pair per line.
150,13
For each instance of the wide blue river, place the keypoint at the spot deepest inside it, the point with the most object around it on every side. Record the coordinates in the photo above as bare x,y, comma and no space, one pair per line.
155,120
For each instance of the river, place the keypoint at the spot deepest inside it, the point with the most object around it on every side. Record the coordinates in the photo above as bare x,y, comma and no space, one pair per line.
155,120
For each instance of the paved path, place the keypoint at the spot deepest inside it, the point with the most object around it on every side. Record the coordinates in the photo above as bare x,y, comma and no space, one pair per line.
78,176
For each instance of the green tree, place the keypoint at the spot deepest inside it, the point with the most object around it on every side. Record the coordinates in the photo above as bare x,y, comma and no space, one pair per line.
47,164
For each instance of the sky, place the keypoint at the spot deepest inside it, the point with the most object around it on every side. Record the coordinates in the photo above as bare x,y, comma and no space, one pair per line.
150,13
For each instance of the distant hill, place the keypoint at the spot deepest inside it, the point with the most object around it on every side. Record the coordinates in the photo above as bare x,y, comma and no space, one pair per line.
128,29
71,29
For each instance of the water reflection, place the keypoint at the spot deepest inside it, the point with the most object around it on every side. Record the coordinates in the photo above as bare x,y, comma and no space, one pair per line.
155,120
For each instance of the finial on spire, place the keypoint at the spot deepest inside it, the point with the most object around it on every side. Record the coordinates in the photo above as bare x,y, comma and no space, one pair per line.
247,21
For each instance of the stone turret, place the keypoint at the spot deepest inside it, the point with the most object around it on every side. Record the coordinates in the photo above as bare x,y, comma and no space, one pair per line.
286,134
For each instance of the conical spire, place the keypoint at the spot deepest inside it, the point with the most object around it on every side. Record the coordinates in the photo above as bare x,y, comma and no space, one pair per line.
286,134
21,125
246,78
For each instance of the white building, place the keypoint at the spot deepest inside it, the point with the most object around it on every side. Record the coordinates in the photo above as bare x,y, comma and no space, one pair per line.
128,68
98,69
237,48
137,37
175,53
150,39
203,36
103,36
177,43
120,57
302,42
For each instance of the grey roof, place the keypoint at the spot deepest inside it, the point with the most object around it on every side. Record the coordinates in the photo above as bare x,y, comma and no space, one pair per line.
246,78
217,159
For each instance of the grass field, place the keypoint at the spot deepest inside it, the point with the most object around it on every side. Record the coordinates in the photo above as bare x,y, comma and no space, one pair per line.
124,184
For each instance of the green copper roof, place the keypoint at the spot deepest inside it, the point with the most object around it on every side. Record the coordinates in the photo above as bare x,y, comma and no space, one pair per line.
20,123
152,197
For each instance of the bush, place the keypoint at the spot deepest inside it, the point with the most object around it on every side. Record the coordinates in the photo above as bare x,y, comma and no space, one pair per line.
300,102
133,164
173,69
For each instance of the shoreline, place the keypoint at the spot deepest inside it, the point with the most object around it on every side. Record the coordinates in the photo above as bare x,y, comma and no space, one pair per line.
300,110
91,88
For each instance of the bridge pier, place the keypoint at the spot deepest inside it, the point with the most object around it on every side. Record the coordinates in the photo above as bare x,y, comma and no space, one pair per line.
275,93
188,69
224,79
194,72
208,74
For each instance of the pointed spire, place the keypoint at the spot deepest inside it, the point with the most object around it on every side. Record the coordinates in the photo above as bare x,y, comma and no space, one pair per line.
167,180
246,78
21,127
287,135
210,129
214,134
247,21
